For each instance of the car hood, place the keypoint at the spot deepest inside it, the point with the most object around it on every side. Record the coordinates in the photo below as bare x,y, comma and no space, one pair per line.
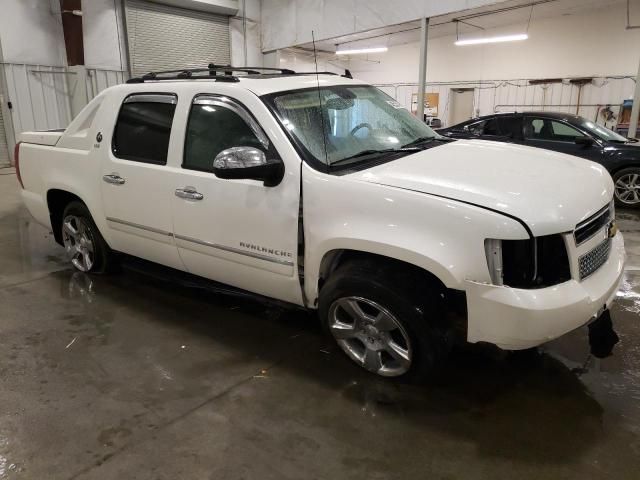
551,192
627,149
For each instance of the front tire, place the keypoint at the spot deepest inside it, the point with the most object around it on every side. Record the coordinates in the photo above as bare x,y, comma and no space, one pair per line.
627,187
386,318
85,247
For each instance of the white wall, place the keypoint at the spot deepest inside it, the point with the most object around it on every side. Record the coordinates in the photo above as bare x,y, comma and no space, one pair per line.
34,56
103,31
31,32
289,22
251,22
594,44
304,62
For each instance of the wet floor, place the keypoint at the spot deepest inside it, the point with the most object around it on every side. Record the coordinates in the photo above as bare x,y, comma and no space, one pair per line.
124,377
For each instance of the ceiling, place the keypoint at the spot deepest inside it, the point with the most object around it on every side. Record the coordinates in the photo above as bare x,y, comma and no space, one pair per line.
514,12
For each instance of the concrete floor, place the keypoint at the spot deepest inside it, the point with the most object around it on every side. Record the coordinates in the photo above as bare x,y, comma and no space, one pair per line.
123,377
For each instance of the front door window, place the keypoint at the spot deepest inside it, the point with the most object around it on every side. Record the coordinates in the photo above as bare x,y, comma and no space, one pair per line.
550,130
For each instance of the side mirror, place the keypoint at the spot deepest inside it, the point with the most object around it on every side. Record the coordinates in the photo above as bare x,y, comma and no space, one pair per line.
585,141
248,163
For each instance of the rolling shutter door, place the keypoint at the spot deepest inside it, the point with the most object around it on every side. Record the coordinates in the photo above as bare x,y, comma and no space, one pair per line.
4,148
162,37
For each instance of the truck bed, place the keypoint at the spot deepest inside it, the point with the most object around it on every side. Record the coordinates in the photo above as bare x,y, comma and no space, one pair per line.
47,137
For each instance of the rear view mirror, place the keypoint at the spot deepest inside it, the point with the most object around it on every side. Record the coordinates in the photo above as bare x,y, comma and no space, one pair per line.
586,141
248,163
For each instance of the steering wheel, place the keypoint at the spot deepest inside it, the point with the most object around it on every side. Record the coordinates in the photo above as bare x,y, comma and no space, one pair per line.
359,126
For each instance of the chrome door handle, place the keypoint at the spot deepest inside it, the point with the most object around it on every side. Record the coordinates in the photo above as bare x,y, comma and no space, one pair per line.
189,193
113,178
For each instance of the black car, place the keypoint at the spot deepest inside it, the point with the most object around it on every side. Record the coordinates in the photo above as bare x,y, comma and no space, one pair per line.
564,133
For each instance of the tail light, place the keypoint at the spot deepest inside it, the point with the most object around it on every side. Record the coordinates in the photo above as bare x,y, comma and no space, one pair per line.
16,160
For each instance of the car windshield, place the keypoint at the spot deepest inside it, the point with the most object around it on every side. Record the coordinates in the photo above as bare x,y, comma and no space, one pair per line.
345,124
602,132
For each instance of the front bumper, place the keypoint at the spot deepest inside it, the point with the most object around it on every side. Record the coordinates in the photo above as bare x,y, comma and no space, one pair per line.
515,319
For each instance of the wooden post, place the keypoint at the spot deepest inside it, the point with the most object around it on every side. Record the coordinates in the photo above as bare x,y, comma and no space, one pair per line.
72,26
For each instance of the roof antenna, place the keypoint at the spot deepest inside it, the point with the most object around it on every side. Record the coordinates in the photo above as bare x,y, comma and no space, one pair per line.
324,139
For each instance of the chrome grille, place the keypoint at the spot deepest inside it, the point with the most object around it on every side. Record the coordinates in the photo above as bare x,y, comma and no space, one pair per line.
587,229
592,261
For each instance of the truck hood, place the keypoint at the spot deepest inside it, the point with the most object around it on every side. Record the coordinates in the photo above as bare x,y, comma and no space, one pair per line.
551,192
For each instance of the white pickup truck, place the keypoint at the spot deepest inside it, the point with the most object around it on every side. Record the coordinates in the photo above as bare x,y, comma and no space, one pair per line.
322,191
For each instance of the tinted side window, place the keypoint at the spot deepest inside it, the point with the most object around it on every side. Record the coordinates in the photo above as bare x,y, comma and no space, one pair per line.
484,127
491,127
511,126
533,127
476,128
212,129
546,129
143,128
562,131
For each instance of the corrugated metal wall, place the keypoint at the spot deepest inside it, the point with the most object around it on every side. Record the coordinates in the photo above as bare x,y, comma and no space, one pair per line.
98,80
164,38
518,95
39,94
4,146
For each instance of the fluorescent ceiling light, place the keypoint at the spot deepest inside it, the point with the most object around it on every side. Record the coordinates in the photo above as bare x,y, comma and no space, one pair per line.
362,50
505,38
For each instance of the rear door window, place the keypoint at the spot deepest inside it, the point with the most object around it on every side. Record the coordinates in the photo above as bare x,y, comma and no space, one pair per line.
510,126
476,128
491,127
143,128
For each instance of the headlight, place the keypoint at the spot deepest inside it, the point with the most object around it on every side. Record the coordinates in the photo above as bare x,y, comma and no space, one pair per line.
533,263
493,250
612,209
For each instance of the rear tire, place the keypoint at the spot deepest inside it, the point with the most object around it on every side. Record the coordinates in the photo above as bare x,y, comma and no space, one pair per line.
85,247
386,318
627,187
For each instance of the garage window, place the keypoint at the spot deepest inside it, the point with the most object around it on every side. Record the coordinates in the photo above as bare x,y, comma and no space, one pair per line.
143,128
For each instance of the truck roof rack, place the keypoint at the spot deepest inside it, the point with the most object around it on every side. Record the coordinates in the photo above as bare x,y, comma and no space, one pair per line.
219,73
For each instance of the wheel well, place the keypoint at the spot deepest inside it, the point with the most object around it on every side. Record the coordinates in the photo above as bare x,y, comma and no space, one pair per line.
57,200
624,167
335,258
454,302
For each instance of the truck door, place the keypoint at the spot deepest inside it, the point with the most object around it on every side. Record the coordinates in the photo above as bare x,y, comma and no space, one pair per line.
238,232
137,185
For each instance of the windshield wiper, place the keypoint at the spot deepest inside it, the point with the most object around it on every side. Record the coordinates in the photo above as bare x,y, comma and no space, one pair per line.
371,152
419,140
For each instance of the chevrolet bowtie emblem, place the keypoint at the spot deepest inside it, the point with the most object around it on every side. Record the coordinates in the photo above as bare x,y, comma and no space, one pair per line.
612,230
